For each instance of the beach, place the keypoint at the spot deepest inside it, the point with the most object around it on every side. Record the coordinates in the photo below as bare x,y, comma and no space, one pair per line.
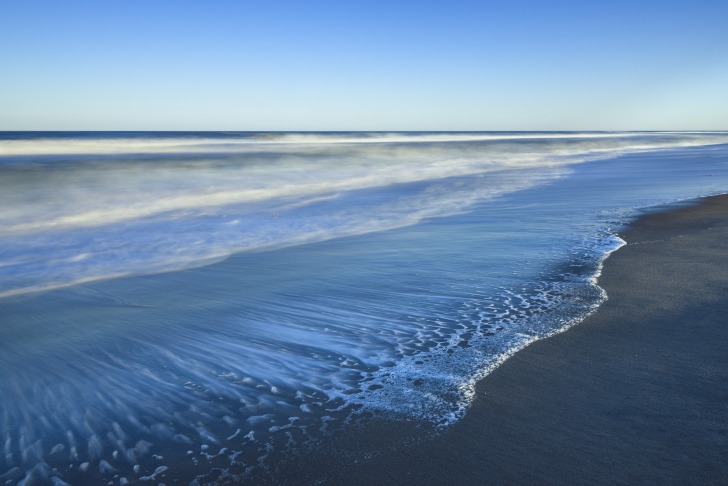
319,308
636,393
362,244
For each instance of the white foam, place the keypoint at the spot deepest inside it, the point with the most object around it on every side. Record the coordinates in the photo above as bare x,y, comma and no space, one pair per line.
439,385
256,199
241,142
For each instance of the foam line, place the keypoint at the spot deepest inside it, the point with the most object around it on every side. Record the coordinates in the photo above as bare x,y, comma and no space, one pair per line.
150,145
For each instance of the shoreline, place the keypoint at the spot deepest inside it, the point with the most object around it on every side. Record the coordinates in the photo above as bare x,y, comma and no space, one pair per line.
636,392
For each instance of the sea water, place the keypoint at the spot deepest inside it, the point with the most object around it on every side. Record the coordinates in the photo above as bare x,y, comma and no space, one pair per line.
195,305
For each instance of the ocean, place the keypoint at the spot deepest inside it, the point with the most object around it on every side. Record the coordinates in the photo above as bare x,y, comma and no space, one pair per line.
197,306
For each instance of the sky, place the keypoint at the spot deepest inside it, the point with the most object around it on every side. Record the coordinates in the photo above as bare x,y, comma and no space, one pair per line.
355,65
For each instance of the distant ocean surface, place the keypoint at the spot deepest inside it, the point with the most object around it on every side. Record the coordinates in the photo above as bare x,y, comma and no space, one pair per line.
194,306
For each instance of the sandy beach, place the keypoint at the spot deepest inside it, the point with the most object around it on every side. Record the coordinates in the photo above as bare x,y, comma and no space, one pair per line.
363,243
356,360
636,393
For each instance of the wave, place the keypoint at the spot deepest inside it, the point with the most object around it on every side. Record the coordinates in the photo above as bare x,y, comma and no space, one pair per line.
152,144
171,241
165,212
86,195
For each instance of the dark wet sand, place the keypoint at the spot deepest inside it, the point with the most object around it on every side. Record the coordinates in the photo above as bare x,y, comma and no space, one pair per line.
637,393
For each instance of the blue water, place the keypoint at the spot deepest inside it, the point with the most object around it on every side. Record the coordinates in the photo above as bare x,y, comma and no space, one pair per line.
202,302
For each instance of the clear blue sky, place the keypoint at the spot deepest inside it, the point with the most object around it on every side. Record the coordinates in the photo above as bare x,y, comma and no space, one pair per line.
363,65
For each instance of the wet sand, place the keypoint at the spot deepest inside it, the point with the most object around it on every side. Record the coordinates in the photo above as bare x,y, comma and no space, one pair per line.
636,393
